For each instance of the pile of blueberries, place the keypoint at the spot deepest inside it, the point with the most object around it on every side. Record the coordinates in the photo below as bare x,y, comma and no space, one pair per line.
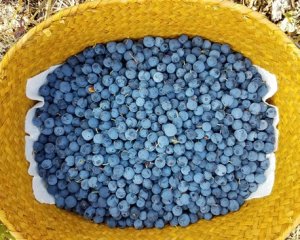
154,131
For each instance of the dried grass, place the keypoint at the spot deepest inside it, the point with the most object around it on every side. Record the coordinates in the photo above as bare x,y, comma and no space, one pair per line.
18,16
295,235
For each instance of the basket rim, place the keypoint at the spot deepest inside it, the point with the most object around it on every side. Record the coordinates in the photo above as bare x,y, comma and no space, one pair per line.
72,11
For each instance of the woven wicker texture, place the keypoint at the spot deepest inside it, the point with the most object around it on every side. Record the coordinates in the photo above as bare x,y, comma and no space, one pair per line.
73,29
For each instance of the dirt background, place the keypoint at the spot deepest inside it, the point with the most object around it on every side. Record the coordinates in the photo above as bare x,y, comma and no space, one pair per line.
18,16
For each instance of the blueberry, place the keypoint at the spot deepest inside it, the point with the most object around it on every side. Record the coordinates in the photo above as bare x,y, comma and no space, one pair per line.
240,135
220,170
70,202
143,154
271,112
198,66
191,104
255,108
73,187
149,42
227,100
184,220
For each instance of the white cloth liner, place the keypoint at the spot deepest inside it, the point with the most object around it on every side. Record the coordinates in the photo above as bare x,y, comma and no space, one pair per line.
38,184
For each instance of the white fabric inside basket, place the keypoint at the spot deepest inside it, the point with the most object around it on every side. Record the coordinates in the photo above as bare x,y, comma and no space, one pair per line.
38,184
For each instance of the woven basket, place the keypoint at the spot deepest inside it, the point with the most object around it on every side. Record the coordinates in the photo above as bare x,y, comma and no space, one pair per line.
73,29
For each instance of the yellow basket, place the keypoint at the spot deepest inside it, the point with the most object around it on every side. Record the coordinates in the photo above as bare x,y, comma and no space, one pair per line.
73,29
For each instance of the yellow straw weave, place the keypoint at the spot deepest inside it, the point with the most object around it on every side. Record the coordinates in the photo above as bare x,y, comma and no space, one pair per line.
73,29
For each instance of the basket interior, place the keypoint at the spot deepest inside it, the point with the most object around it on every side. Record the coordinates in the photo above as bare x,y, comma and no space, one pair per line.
72,30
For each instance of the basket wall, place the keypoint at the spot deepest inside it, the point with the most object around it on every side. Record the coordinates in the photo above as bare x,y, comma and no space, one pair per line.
73,29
